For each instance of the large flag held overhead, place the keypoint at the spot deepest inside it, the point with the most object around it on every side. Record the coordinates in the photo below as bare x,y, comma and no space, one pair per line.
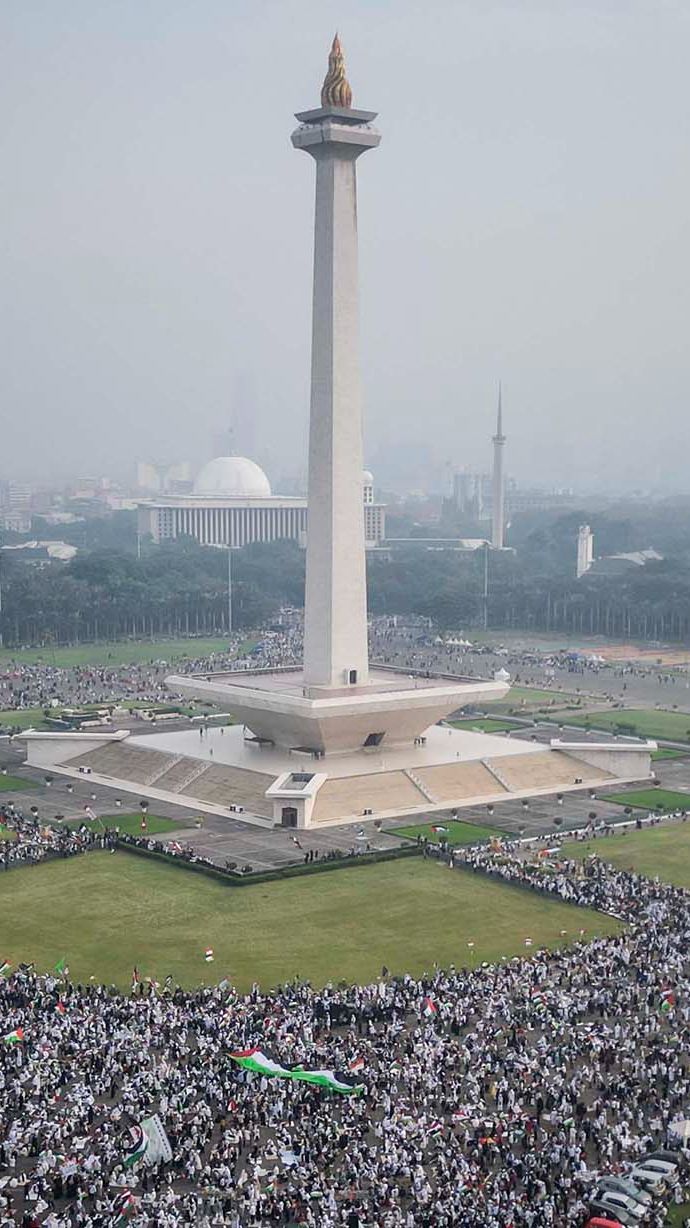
158,1148
149,1143
260,1062
137,1147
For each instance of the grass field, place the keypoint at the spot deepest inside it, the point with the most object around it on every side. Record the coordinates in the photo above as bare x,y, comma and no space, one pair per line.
122,653
486,724
647,722
130,824
662,851
25,718
526,699
667,752
650,799
457,833
106,912
14,784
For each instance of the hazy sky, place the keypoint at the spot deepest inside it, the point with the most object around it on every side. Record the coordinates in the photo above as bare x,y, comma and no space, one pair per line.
527,216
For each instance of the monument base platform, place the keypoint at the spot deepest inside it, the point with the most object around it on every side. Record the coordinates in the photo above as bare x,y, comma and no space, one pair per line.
392,707
222,771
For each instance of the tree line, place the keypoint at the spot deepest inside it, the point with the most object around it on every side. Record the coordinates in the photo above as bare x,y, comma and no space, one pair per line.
181,588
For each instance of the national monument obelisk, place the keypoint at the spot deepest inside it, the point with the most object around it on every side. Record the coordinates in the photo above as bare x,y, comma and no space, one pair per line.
337,703
335,621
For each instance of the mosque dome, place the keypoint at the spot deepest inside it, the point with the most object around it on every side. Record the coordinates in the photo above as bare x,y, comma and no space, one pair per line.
232,477
367,478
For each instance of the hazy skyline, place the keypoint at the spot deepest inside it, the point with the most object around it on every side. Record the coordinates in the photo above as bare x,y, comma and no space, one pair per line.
526,218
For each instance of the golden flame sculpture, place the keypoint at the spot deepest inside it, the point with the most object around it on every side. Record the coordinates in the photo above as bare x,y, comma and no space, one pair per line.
336,91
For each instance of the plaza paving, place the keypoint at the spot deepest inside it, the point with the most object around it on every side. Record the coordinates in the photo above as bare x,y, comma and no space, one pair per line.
223,839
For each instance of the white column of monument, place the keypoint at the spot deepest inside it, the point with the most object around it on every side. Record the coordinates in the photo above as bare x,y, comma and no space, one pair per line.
335,630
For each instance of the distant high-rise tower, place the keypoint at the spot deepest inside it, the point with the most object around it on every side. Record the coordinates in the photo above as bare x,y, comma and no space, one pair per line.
497,512
585,549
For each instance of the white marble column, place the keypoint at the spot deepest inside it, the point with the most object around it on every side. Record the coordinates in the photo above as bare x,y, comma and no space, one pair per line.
335,634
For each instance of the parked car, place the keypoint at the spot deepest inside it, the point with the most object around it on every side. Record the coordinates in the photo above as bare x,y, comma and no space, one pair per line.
678,1158
602,1210
623,1185
669,1172
649,1180
616,1202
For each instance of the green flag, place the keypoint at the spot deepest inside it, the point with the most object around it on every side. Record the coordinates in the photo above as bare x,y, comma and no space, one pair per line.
60,965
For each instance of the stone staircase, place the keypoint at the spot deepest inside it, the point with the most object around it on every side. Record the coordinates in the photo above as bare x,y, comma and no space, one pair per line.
423,789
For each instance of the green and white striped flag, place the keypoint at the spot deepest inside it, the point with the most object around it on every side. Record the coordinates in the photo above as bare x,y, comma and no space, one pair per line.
260,1062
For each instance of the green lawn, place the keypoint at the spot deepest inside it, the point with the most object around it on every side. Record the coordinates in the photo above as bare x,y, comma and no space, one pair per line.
645,722
130,824
526,699
106,912
667,752
25,718
14,784
662,851
125,652
677,1216
649,799
487,724
457,833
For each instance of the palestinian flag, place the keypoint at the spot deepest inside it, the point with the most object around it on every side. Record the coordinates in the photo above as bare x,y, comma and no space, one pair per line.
439,830
60,1008
208,955
429,1007
357,1064
123,1207
538,997
668,1001
138,1147
436,1127
14,1038
261,1063
5,966
396,1068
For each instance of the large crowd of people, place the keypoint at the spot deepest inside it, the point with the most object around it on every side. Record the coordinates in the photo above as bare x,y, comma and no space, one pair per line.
405,645
492,1095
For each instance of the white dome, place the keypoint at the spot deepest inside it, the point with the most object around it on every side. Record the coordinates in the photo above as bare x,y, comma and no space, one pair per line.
232,477
367,478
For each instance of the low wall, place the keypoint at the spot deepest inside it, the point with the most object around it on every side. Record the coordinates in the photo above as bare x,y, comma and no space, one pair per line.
232,879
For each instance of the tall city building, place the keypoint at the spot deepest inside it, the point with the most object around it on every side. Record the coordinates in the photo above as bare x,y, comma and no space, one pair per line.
497,497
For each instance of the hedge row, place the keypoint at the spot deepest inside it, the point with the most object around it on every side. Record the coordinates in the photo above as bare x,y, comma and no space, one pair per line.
232,879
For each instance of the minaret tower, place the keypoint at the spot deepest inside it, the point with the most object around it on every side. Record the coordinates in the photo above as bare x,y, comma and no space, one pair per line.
335,617
497,512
